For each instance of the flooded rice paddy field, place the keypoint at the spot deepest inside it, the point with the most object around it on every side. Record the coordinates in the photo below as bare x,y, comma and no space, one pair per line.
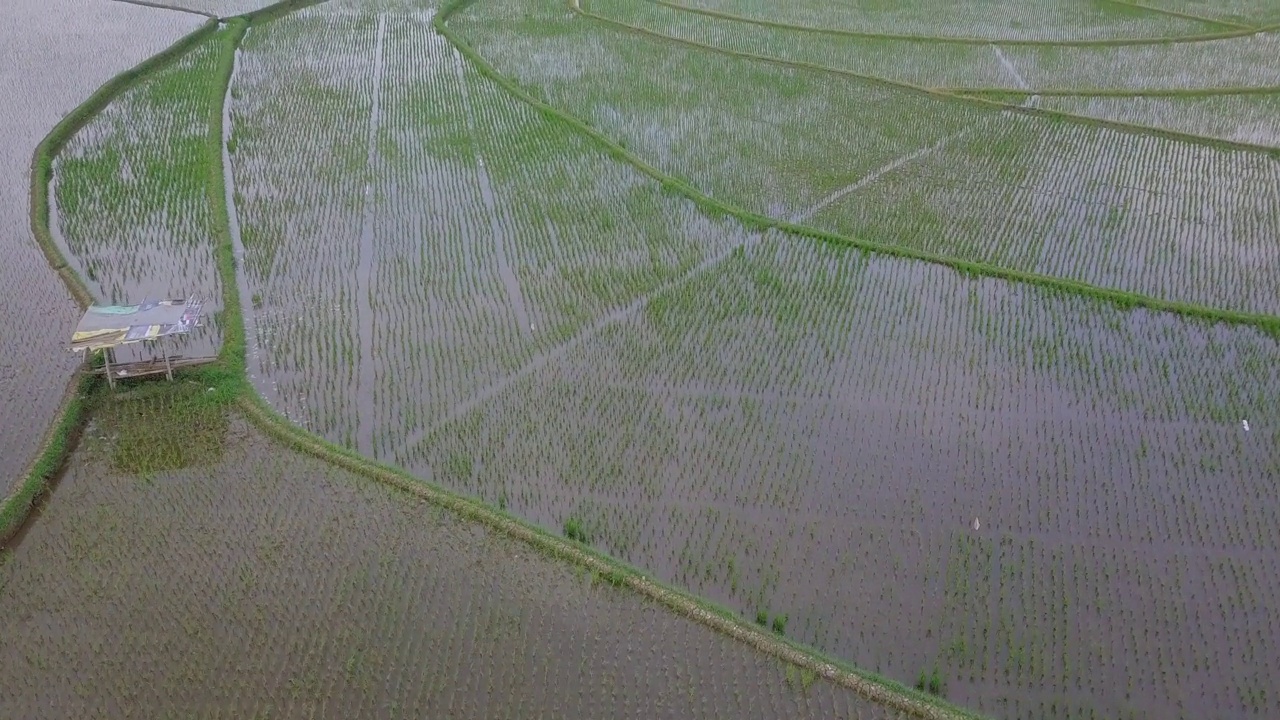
1251,118
52,56
1247,12
1158,216
1240,62
804,432
1061,504
447,235
131,208
238,579
1033,20
1243,61
212,8
1080,202
1244,64
924,62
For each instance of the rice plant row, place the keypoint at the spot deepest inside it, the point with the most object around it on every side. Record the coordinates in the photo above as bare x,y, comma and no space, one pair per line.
130,200
1047,20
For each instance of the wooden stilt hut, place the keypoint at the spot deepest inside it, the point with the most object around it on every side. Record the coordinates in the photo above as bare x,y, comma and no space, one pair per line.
155,322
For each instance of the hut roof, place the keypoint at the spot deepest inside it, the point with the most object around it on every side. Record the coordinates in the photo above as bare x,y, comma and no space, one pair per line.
106,326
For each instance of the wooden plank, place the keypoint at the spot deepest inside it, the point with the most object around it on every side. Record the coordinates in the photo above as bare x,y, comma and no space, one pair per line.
149,367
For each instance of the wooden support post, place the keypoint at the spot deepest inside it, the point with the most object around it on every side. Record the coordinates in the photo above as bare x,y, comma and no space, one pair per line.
106,358
168,369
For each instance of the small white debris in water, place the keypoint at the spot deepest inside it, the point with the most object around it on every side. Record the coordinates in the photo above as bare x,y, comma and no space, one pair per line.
1245,424
531,329
976,525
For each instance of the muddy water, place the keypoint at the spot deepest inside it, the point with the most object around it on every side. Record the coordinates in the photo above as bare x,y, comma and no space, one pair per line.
266,583
54,55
